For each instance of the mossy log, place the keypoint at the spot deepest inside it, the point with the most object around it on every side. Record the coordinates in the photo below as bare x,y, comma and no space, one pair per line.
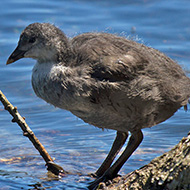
171,171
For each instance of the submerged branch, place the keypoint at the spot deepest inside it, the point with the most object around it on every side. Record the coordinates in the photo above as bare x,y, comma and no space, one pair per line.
51,166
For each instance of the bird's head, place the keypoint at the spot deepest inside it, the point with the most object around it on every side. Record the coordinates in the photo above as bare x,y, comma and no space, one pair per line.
41,41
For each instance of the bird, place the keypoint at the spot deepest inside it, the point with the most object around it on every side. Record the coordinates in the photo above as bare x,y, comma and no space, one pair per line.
107,80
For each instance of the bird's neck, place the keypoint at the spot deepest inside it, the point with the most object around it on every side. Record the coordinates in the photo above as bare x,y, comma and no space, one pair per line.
65,55
60,51
63,48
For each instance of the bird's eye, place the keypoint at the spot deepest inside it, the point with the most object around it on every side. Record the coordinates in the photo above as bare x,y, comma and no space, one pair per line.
32,40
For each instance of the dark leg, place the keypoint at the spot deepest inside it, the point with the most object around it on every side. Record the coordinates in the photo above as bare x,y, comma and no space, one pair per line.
134,141
117,145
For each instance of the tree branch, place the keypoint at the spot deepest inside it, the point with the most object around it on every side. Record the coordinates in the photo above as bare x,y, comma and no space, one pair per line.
51,166
171,171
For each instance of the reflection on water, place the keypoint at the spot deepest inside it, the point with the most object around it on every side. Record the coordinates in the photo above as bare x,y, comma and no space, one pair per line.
75,145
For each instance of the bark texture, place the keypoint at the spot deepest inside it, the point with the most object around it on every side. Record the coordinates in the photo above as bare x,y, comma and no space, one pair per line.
171,171
51,166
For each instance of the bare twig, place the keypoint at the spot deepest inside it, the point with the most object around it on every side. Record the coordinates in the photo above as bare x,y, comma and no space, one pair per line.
51,166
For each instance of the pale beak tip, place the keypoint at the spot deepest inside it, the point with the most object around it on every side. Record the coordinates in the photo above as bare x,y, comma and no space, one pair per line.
9,61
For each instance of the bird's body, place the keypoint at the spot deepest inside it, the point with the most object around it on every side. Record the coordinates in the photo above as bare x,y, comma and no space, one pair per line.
121,85
106,80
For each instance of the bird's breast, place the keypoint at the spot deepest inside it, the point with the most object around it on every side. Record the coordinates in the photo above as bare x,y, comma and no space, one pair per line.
60,86
48,83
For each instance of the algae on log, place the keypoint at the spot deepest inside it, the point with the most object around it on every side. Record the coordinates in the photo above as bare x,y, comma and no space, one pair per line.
171,171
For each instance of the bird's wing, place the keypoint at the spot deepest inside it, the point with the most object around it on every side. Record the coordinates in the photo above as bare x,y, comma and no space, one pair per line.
121,76
119,68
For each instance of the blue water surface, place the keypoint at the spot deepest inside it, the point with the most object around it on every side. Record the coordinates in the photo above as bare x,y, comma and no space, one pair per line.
75,145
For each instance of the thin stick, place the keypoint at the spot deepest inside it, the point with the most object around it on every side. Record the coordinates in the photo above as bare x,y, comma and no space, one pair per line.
51,166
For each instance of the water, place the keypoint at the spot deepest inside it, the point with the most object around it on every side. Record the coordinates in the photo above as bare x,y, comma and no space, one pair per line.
76,146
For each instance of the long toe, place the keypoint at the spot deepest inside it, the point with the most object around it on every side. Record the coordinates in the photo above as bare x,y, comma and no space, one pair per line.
94,185
104,179
93,175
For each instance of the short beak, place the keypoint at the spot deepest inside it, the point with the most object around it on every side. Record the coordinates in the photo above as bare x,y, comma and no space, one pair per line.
16,55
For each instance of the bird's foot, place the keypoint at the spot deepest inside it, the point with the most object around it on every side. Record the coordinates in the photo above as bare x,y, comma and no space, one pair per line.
93,175
101,182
